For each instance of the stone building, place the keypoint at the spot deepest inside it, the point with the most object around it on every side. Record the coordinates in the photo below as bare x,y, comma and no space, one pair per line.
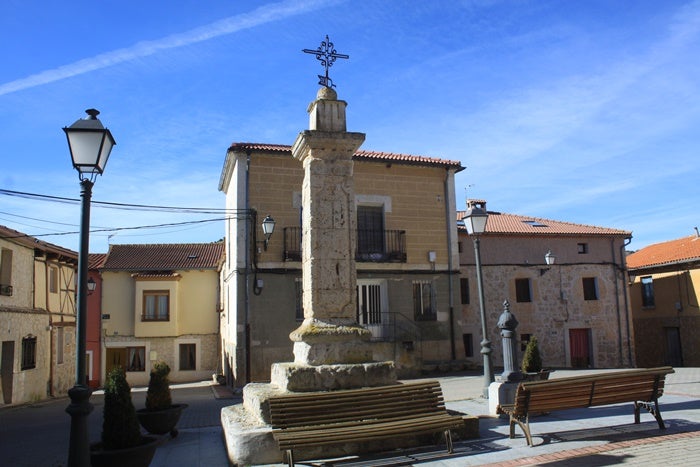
406,258
577,307
664,283
37,318
161,302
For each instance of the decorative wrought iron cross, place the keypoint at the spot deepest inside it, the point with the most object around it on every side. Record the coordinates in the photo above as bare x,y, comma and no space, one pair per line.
327,54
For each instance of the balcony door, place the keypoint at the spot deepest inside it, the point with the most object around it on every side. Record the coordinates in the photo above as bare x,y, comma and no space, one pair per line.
370,232
372,305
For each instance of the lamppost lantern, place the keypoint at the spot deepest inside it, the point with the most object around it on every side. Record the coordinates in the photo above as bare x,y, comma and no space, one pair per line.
549,258
268,226
476,218
90,144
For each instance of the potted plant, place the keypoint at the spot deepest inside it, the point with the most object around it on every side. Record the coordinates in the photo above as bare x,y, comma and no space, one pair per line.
532,362
160,415
122,442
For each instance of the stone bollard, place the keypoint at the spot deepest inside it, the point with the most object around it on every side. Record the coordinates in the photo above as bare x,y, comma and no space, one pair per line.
507,324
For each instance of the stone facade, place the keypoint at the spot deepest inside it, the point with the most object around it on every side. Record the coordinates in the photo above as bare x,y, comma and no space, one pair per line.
574,327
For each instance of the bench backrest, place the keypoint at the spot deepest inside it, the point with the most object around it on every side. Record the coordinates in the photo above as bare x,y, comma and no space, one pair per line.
591,390
291,410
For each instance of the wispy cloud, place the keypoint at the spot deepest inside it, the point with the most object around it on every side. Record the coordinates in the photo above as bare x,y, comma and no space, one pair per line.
262,15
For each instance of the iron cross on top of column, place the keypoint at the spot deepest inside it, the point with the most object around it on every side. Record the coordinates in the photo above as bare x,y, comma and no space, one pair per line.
327,54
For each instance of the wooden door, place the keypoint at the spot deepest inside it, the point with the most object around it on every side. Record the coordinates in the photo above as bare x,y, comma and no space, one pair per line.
7,370
115,357
674,355
580,346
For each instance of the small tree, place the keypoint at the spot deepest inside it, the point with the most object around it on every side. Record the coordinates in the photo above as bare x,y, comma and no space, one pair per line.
120,427
532,362
158,395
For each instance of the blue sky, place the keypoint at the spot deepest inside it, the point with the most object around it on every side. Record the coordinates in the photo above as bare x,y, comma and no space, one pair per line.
579,111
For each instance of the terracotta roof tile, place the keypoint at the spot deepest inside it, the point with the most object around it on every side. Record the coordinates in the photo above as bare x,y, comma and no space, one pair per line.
34,243
96,260
502,223
682,250
164,257
359,155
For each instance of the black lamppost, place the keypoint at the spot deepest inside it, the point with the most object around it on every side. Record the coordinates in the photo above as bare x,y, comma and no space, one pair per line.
475,222
90,144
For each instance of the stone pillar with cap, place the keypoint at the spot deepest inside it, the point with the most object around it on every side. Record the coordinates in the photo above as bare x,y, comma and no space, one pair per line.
331,350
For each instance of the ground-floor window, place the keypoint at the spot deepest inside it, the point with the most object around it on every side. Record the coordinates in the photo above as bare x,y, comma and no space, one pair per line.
188,357
424,301
136,359
29,352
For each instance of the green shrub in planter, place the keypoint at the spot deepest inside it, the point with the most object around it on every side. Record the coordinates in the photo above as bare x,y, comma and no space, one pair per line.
158,395
532,362
120,427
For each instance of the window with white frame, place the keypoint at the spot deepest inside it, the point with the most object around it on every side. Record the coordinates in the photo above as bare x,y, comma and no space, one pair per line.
424,301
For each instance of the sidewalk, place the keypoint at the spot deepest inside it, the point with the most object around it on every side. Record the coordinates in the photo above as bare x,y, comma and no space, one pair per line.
581,437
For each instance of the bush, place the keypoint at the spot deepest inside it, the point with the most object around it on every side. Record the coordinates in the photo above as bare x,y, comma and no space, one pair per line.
158,395
120,427
532,362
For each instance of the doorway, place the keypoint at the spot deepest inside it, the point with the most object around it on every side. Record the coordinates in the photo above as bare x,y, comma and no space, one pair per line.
115,357
580,346
674,353
7,370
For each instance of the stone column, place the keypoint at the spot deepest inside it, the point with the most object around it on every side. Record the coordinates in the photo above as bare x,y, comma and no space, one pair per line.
329,334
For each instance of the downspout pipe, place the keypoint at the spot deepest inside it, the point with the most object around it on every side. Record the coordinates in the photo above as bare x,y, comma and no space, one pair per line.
617,301
623,268
450,288
246,322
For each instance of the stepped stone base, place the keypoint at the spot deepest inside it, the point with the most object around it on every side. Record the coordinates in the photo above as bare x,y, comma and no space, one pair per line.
300,377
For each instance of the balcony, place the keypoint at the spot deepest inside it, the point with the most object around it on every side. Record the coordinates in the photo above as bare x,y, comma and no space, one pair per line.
373,246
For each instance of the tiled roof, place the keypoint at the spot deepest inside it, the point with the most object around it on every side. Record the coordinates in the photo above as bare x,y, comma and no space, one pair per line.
164,257
34,243
377,156
501,223
682,250
96,260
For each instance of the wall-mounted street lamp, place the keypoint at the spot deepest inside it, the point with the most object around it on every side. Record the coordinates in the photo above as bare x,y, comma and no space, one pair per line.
90,145
475,222
549,260
268,227
91,285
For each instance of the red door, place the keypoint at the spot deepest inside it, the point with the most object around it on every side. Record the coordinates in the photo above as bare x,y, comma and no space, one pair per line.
580,343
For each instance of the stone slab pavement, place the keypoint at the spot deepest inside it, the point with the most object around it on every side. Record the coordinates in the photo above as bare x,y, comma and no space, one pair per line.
580,437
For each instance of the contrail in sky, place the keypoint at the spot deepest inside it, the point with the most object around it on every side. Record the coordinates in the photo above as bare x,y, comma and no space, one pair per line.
232,24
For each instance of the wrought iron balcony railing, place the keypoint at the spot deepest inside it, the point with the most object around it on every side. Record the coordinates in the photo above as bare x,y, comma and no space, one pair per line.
377,246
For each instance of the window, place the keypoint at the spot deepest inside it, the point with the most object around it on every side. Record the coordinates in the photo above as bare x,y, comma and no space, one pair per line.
299,299
53,279
522,291
136,359
460,247
29,352
647,291
156,305
6,272
423,301
464,290
59,345
369,302
582,248
370,231
468,345
188,357
590,288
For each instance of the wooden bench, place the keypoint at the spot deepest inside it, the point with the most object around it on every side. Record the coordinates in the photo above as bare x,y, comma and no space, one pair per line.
359,415
643,387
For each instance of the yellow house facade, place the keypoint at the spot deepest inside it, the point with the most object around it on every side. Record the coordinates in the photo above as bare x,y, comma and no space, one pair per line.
37,316
161,303
406,258
664,284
